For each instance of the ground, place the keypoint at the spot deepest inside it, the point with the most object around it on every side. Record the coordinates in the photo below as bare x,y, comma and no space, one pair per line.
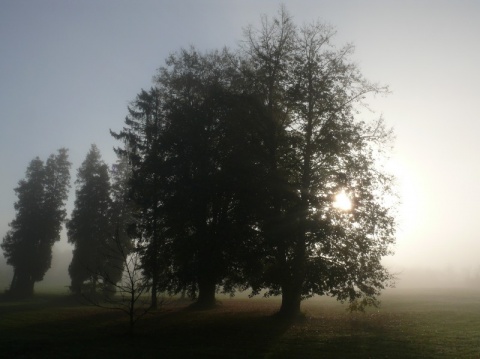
409,324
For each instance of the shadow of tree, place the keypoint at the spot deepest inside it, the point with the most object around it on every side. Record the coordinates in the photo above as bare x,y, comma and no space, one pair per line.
234,330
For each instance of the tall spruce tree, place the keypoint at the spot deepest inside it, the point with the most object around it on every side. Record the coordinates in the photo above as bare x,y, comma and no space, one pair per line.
122,221
89,228
143,151
40,215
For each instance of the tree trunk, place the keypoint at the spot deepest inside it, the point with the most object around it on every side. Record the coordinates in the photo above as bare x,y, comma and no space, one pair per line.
14,280
93,288
22,286
292,286
206,293
154,302
207,271
131,311
291,299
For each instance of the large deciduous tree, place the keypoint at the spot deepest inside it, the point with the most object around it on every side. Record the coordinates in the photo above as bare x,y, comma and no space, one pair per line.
316,150
190,141
90,229
40,214
212,166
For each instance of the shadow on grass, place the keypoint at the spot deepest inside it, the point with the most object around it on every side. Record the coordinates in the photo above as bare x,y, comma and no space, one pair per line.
220,334
53,330
235,329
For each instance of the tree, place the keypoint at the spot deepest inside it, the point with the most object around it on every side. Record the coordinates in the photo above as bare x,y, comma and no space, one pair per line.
40,214
124,292
143,151
317,149
189,141
89,228
122,219
213,183
238,160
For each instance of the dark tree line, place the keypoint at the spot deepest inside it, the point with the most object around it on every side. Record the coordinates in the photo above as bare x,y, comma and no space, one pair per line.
228,173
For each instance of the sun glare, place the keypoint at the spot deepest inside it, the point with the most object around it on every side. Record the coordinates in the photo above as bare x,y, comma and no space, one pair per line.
342,201
412,200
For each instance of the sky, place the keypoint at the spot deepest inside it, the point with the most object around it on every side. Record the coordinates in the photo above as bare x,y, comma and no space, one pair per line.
68,70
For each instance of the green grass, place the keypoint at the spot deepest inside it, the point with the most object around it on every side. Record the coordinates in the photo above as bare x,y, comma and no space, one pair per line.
416,324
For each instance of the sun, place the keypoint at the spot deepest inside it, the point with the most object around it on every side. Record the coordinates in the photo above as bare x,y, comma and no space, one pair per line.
342,201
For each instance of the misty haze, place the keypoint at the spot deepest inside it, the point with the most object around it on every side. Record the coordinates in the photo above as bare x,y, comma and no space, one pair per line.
239,179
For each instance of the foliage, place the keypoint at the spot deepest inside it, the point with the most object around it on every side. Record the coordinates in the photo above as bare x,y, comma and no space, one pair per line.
121,214
194,150
212,168
317,148
89,228
39,216
237,159
143,153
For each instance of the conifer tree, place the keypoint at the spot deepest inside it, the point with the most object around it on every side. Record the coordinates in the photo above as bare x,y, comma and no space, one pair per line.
89,228
36,227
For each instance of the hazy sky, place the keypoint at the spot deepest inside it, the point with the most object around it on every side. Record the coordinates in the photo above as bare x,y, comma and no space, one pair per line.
68,70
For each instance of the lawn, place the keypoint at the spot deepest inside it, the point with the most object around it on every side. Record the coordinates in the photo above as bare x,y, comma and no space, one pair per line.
409,324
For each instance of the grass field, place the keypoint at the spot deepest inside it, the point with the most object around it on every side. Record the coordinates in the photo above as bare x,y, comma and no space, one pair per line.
409,324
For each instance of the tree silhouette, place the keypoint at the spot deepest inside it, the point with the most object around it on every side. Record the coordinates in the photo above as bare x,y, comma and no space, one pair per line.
89,228
144,153
40,214
124,284
122,219
316,149
236,162
210,171
191,142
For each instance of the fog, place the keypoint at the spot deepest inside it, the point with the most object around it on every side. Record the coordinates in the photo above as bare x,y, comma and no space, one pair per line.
407,277
68,74
56,279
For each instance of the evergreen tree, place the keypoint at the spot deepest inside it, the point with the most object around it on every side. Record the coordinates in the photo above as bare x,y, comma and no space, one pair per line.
40,214
89,228
122,219
144,153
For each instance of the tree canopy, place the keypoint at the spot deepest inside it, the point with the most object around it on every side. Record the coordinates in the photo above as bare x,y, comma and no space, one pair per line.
39,216
229,177
237,158
317,148
90,229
